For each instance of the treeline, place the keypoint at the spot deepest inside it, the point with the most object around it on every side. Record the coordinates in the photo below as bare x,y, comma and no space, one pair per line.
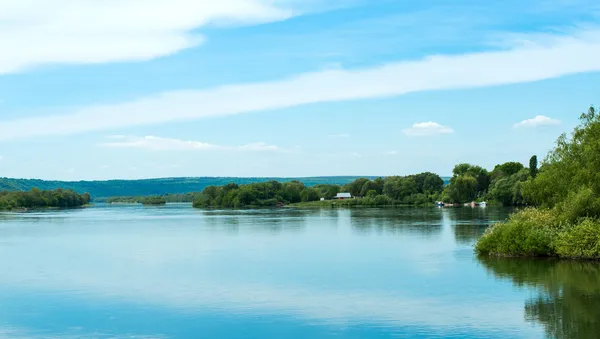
504,184
148,187
155,200
414,189
566,194
36,198
169,198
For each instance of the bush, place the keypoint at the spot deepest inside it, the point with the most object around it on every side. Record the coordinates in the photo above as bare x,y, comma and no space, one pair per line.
527,233
580,241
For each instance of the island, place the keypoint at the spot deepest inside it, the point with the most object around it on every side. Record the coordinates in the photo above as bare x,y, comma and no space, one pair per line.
36,198
154,201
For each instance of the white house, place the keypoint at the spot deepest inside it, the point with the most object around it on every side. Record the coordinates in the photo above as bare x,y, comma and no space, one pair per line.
342,196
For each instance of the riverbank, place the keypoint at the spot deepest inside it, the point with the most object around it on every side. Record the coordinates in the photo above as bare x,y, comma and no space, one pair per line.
349,203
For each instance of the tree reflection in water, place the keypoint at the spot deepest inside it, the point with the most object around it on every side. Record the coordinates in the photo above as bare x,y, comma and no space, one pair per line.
568,293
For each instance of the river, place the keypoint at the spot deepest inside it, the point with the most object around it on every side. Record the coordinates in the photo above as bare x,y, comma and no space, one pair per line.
177,272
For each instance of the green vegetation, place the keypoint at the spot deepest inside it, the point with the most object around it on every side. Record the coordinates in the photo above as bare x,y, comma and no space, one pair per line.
410,190
36,198
169,198
148,187
566,192
566,304
473,183
157,200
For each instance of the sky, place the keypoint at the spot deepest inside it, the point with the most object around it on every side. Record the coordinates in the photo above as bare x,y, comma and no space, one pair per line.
106,89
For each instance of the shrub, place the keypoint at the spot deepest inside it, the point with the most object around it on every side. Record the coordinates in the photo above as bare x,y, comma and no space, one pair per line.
581,241
579,204
527,233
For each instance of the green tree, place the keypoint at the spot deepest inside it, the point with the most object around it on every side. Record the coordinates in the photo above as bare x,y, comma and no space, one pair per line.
507,169
533,166
309,194
573,164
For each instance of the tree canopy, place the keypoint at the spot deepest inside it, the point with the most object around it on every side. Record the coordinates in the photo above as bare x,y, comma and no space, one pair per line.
36,198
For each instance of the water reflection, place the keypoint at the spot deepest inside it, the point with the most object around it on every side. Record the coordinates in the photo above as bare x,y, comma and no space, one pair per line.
470,223
568,293
422,221
269,220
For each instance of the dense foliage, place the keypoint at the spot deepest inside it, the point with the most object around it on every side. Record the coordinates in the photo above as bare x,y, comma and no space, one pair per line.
414,189
147,187
468,183
503,185
169,198
156,200
566,191
36,198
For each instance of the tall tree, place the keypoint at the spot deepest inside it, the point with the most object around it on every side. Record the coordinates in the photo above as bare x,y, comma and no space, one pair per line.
533,166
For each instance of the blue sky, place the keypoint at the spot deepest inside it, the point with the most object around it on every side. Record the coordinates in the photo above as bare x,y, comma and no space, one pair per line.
154,88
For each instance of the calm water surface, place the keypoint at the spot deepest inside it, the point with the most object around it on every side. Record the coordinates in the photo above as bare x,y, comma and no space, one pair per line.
176,272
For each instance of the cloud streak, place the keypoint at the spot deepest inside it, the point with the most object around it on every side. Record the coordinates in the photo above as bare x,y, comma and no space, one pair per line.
534,61
538,121
154,143
430,128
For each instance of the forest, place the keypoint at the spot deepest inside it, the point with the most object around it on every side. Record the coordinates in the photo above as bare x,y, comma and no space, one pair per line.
36,198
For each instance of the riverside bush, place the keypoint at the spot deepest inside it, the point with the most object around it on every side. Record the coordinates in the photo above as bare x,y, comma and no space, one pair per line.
581,241
527,233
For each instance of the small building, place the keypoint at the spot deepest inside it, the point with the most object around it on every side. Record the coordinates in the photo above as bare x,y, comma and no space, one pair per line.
342,196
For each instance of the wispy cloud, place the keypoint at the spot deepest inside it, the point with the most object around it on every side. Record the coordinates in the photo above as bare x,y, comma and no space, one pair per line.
540,120
391,153
533,61
427,129
97,31
155,143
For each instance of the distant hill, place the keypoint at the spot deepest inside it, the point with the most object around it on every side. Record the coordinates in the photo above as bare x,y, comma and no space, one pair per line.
145,187
111,188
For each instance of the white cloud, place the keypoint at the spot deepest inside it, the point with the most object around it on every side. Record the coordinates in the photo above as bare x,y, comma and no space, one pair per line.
391,152
427,129
97,31
532,62
155,143
538,121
